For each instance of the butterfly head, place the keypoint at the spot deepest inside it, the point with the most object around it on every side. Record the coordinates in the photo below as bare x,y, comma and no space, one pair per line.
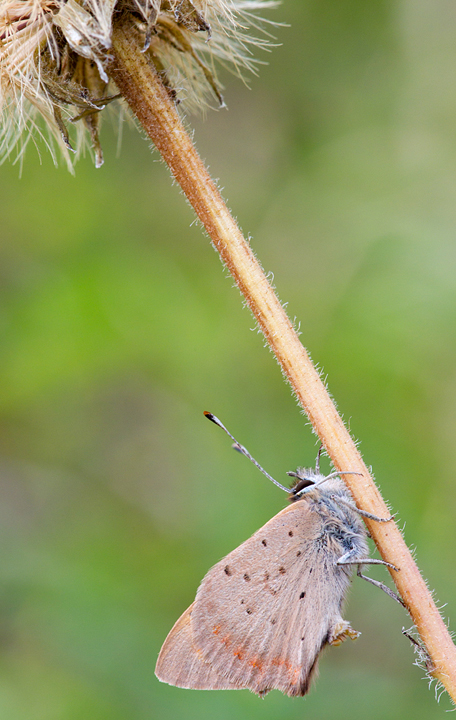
305,480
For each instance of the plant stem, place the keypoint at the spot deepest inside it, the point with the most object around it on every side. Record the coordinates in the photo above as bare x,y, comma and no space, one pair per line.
140,84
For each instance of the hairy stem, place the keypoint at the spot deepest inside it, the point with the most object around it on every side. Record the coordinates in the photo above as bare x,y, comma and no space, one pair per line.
142,88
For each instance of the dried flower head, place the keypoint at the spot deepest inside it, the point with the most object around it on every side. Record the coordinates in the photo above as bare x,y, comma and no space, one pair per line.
54,56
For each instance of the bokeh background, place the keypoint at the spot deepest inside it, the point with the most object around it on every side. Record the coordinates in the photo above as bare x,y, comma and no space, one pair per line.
119,327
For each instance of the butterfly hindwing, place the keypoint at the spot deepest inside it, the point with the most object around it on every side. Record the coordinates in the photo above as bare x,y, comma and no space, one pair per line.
180,663
263,613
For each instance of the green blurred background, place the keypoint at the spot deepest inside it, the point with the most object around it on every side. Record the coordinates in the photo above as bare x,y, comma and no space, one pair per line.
119,327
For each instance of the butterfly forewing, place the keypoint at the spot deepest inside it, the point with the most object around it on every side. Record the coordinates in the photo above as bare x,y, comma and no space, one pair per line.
263,613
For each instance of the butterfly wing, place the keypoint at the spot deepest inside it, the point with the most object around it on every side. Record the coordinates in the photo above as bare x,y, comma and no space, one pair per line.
264,612
180,663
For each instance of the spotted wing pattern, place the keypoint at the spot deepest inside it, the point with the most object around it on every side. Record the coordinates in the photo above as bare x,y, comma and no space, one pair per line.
264,612
180,663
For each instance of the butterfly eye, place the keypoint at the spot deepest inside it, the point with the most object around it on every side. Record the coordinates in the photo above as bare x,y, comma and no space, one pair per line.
300,485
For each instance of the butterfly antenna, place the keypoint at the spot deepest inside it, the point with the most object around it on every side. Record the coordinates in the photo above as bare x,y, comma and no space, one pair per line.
240,448
317,462
333,475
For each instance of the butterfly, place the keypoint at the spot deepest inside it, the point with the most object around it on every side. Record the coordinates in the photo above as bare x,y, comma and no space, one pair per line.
263,614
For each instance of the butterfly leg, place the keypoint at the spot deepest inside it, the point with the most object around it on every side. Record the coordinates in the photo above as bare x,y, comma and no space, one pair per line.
382,586
423,656
350,559
355,509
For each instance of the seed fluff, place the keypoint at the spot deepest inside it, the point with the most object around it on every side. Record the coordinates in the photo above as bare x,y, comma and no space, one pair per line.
54,56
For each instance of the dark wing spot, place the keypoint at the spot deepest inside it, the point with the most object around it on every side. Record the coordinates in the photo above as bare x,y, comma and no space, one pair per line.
273,621
302,595
298,553
291,533
282,570
242,602
310,571
246,577
263,542
228,570
249,611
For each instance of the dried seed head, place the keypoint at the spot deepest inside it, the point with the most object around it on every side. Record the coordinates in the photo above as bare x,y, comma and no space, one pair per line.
54,54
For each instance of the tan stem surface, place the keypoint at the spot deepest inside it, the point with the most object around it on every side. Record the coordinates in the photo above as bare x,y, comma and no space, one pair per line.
141,86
